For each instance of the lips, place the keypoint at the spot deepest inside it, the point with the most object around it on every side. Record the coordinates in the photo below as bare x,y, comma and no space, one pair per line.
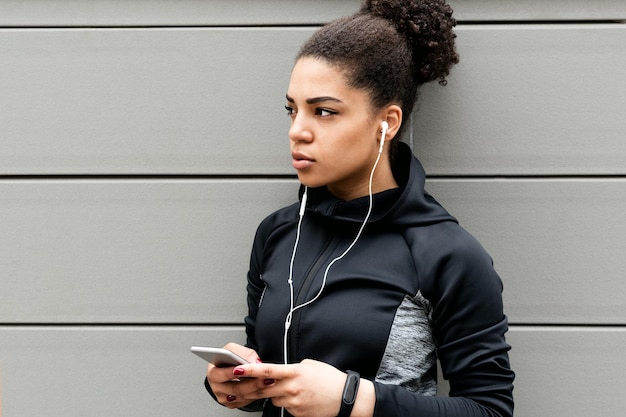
301,160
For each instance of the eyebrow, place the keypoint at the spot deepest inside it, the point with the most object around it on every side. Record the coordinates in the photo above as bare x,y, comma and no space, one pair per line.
314,100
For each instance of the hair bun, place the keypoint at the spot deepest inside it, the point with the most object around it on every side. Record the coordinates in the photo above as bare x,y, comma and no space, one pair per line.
428,27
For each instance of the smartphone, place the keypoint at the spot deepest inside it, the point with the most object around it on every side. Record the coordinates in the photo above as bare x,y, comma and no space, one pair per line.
218,356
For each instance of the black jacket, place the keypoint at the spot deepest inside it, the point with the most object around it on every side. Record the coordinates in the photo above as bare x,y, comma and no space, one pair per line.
415,288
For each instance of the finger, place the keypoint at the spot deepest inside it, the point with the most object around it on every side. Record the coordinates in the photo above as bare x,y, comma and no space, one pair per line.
232,401
220,375
267,372
248,390
248,354
235,394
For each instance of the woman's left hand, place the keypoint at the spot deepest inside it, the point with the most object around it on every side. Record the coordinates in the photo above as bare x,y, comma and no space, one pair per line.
306,389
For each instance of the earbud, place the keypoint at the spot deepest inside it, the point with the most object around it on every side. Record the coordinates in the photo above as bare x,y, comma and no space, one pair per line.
384,125
303,203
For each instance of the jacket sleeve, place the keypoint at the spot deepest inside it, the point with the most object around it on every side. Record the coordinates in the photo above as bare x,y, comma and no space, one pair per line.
255,285
255,288
468,326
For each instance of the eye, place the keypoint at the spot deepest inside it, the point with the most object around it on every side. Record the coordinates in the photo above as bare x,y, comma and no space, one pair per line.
290,110
324,112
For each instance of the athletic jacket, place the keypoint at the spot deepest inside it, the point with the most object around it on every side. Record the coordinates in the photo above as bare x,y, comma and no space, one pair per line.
415,288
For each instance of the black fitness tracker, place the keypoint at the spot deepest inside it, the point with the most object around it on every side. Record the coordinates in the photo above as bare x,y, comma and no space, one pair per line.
350,390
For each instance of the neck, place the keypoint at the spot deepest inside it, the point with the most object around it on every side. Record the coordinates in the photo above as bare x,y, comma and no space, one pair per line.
382,180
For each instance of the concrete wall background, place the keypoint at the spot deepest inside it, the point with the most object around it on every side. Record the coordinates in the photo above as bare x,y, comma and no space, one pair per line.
142,142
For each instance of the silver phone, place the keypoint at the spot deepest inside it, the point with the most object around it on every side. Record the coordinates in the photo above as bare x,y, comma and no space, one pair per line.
219,357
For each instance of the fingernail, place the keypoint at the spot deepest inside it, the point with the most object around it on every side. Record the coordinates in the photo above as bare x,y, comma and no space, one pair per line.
269,381
230,398
238,371
259,361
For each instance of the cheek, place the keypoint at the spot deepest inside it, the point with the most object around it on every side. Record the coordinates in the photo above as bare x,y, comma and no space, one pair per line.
351,143
356,137
360,145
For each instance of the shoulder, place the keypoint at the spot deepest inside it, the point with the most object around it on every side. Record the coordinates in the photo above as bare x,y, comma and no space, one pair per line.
278,219
445,241
450,260
268,227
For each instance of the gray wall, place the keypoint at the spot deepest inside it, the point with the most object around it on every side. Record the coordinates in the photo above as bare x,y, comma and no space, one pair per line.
142,142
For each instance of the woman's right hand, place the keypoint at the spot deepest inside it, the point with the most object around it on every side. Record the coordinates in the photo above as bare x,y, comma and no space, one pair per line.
221,379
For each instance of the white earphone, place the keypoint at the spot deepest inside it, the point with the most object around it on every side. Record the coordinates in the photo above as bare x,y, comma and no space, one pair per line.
385,126
292,307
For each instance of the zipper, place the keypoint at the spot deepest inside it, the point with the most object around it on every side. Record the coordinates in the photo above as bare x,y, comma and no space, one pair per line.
304,290
263,293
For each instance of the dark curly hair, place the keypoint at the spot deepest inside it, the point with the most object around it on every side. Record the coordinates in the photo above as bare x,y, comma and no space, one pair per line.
389,48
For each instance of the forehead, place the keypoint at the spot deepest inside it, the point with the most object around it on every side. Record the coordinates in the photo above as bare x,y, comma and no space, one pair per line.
313,77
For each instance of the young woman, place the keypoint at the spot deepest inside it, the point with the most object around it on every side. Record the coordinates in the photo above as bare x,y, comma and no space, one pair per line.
358,289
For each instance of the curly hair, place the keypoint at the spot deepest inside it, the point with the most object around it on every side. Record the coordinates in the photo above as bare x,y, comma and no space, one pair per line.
389,48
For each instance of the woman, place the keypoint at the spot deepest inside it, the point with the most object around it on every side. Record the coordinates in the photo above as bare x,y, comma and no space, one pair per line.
356,291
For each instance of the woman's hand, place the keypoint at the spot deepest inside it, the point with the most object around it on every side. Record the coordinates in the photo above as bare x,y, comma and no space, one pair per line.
223,381
307,389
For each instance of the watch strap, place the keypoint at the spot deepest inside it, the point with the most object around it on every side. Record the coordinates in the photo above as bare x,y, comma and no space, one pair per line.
350,390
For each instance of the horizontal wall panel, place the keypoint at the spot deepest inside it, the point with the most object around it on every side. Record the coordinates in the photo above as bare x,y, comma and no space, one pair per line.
71,372
538,10
558,244
119,371
167,13
254,12
573,372
145,101
130,251
531,99
177,251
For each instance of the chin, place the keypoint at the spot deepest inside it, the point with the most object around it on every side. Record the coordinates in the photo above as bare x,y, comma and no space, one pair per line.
307,181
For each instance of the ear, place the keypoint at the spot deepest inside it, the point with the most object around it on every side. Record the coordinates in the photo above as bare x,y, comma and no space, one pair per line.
393,115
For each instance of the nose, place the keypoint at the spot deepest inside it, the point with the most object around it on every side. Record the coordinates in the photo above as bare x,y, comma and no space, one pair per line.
300,130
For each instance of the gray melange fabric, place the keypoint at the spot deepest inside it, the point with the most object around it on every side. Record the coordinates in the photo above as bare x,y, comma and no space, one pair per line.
410,355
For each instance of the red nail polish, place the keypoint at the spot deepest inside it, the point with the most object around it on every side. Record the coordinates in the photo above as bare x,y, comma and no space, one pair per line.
238,371
269,381
230,398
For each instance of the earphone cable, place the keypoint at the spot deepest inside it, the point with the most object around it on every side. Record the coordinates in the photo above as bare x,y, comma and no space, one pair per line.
293,308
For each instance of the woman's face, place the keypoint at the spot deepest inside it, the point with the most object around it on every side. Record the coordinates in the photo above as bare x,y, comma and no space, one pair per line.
334,131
